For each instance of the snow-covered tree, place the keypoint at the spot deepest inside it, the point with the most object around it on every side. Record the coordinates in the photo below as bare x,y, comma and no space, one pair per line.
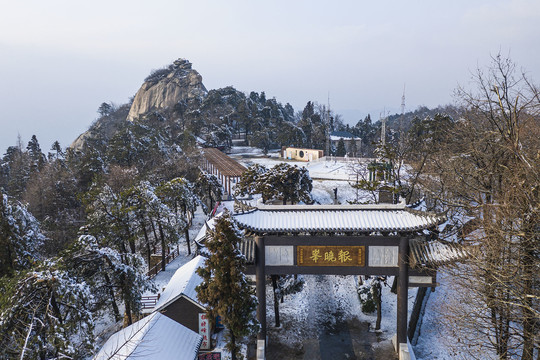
37,158
284,285
178,194
20,236
224,287
209,190
340,151
110,273
370,294
46,315
112,220
283,181
15,170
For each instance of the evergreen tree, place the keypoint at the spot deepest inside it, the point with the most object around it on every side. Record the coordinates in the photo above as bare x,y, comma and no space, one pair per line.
340,148
20,237
57,154
17,170
105,109
46,315
224,287
178,195
209,190
290,183
112,220
354,149
37,158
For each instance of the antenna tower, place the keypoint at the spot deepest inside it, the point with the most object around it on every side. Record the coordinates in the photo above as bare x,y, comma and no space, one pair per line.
403,101
327,150
383,128
402,117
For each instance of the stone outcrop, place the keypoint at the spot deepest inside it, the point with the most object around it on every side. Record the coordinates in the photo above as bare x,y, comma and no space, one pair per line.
164,88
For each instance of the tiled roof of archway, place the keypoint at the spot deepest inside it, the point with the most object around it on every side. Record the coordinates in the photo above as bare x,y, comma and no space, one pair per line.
286,219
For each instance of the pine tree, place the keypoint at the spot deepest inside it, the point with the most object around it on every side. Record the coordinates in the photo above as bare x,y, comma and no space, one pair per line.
178,195
290,183
340,148
354,149
20,237
48,316
37,158
209,189
224,287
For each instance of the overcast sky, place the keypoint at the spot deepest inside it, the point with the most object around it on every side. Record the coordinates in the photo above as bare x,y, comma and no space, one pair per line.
60,59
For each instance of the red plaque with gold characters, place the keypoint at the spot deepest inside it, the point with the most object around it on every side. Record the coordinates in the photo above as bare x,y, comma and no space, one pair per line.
331,255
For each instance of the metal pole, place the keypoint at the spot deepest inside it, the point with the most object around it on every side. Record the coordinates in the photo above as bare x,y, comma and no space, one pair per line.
403,287
261,296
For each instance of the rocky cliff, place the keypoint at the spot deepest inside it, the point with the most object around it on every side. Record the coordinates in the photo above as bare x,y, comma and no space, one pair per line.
166,87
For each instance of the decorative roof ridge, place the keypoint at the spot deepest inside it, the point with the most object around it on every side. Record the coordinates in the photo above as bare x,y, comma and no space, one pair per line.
265,207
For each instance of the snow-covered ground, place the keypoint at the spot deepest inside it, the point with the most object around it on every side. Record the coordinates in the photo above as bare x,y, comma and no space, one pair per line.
327,168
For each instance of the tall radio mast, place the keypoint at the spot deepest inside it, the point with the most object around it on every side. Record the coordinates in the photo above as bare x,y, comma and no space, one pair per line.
327,150
402,117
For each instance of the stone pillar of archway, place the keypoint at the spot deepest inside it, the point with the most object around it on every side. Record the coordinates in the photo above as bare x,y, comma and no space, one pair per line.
403,291
260,278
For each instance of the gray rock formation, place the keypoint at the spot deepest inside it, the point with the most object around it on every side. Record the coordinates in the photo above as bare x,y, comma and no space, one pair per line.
166,87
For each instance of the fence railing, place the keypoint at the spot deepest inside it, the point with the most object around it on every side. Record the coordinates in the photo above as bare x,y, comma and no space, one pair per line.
149,302
157,268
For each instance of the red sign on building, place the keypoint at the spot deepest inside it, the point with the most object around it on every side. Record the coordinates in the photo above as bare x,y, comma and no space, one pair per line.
204,331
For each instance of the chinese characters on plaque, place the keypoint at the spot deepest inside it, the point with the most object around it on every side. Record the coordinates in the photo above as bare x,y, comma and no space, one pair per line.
204,331
331,255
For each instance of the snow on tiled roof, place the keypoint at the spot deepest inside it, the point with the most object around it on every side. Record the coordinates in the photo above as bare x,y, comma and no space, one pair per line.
208,225
436,252
335,218
345,135
155,337
226,165
183,282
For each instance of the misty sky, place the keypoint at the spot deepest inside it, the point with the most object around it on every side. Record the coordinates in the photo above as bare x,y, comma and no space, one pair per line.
60,59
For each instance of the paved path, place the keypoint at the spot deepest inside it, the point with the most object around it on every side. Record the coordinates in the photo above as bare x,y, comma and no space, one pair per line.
328,331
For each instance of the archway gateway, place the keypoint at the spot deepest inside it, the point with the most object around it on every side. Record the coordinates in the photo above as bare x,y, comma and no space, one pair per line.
339,240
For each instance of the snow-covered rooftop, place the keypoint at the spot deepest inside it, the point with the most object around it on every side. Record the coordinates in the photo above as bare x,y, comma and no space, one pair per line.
345,135
225,164
208,225
436,253
155,337
183,282
336,218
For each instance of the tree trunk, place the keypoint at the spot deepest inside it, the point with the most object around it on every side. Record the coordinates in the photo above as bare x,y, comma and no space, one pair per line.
147,242
210,198
393,289
186,234
128,310
276,300
110,289
155,235
233,346
163,256
131,240
56,309
528,325
186,229
378,303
